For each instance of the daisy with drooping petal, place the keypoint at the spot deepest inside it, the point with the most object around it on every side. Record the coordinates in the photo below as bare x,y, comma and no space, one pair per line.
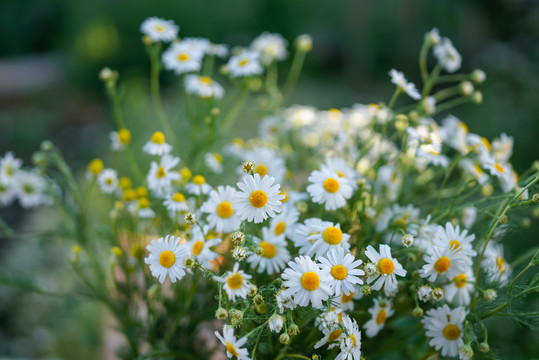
444,327
108,181
198,186
343,270
447,55
236,283
304,231
409,88
275,254
161,175
166,258
247,63
329,188
284,302
201,247
350,344
306,282
284,223
332,334
380,311
159,29
157,145
326,237
221,215
143,209
451,235
181,58
203,86
443,261
258,198
270,46
460,288
233,345
387,266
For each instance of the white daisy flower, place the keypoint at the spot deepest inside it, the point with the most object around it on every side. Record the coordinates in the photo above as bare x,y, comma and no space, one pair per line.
340,166
447,55
444,327
159,29
380,311
332,335
157,145
9,167
475,170
325,237
469,215
497,169
258,198
275,323
350,344
461,241
267,162
494,263
409,88
221,215
245,64
306,282
330,319
203,86
201,247
166,258
443,261
8,192
284,302
198,186
235,283
161,176
397,216
343,270
233,345
388,268
218,50
502,148
196,45
460,288
182,58
345,302
30,188
176,204
119,139
304,231
454,133
329,188
214,161
143,209
108,181
424,293
273,259
270,46
285,222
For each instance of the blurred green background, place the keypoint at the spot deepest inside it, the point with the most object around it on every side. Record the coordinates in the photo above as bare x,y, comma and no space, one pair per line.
52,50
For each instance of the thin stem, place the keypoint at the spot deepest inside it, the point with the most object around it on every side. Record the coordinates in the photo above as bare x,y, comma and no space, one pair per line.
530,265
293,74
423,60
453,78
452,103
431,80
231,117
156,94
392,102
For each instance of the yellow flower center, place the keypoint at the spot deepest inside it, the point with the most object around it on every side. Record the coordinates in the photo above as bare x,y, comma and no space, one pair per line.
486,143
231,349
499,168
197,247
340,174
381,317
386,266
478,170
442,264
158,137
124,136
339,272
183,57
285,196
464,127
354,340
243,62
125,183
142,192
454,244
143,203
280,228
218,158
96,166
347,298
224,210
160,28
206,80
460,280
451,332
258,198
129,195
332,235
161,172
167,258
310,281
331,185
199,180
334,335
261,170
501,263
186,173
269,249
235,281
108,181
178,197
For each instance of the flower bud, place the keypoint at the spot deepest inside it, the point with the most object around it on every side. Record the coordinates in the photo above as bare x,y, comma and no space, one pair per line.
46,146
258,300
465,352
484,347
236,317
478,76
284,339
477,97
275,323
437,294
417,312
366,290
293,330
490,295
432,37
221,314
239,253
261,309
487,190
146,40
189,262
259,251
424,293
248,166
302,206
255,84
401,122
39,159
535,197
191,218
304,43
466,88
215,111
407,240
238,238
253,290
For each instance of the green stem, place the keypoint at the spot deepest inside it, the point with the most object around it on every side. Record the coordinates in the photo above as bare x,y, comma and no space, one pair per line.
452,103
156,94
423,60
234,112
452,78
431,80
530,265
392,102
509,301
293,75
